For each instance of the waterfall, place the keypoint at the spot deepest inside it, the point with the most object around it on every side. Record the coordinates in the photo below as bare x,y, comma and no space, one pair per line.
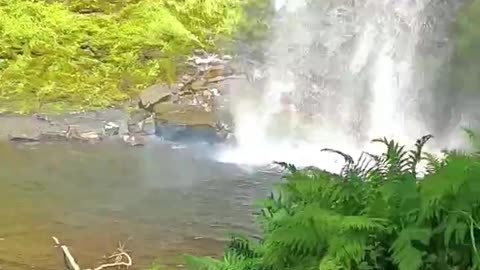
341,73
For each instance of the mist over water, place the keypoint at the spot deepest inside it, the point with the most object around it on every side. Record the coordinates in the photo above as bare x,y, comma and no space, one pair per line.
341,73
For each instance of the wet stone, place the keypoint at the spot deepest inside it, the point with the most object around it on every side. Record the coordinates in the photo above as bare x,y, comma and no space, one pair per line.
111,129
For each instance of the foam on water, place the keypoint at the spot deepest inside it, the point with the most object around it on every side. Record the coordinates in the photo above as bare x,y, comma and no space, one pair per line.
341,73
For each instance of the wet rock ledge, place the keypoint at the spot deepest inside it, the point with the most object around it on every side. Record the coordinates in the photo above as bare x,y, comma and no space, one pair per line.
183,112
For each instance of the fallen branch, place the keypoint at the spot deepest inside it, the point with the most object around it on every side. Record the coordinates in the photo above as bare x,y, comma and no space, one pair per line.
118,259
67,256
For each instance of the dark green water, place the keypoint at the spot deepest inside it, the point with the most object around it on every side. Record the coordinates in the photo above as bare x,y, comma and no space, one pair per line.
164,201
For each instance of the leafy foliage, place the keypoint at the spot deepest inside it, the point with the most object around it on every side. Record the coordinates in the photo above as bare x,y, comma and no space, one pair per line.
88,54
378,213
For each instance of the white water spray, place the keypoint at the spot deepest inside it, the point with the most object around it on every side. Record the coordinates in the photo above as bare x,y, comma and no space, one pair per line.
340,74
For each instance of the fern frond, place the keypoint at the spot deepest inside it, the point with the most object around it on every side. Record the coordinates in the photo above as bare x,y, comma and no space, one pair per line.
232,261
454,186
241,246
364,165
415,156
330,263
394,161
405,255
287,166
348,159
455,227
402,198
348,250
434,163
354,169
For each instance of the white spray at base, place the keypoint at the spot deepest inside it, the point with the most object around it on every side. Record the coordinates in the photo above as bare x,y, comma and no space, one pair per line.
340,74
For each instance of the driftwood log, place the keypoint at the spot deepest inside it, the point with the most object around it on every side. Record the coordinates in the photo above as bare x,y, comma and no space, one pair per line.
119,259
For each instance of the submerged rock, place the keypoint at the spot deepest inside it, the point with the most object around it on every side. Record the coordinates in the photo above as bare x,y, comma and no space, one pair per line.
133,139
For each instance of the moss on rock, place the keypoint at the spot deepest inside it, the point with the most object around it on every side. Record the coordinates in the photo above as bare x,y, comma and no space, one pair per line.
57,55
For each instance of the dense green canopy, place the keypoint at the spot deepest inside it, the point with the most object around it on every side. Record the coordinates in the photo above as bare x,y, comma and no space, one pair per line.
96,53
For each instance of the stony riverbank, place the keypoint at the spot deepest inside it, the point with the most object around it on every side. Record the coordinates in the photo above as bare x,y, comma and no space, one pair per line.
195,103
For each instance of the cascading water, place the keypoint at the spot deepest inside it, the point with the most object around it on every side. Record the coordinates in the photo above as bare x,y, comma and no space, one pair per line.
341,73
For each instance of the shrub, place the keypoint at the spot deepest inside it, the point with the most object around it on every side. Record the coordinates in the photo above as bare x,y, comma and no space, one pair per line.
376,214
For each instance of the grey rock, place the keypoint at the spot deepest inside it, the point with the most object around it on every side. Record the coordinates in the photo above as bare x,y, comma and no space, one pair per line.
136,120
111,129
23,138
73,134
154,94
216,79
189,115
198,85
134,140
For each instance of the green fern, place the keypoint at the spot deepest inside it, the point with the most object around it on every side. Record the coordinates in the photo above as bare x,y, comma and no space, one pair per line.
375,214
